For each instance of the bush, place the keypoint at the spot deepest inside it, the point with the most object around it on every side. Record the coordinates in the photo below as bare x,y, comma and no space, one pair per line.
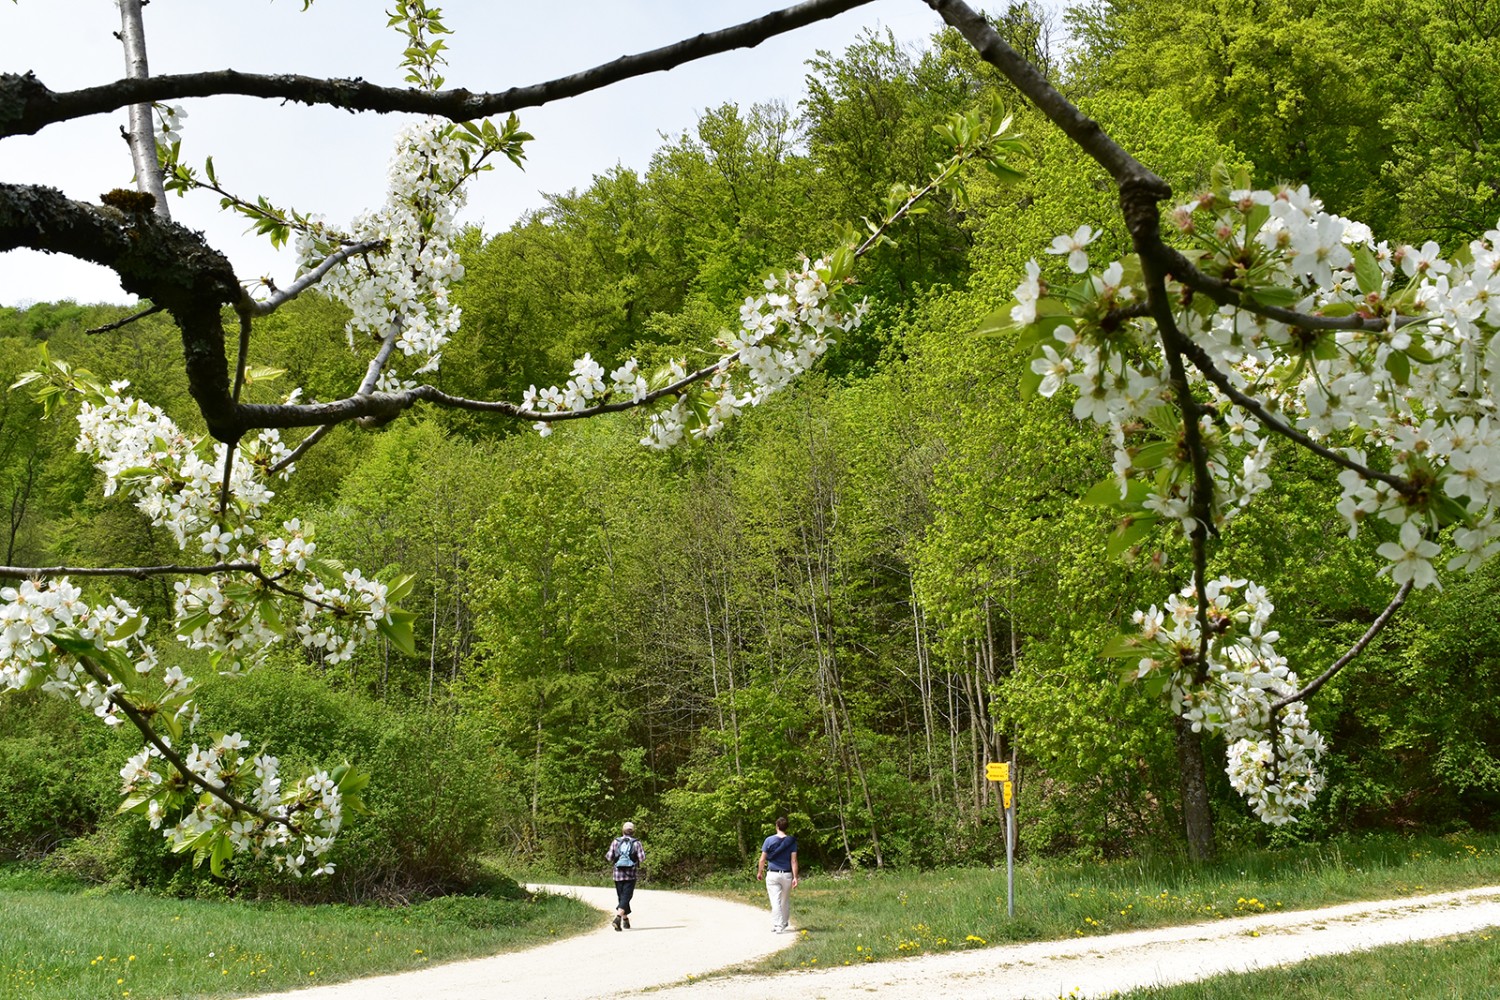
54,778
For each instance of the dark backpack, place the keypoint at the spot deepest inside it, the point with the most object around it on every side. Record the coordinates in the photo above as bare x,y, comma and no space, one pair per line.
626,853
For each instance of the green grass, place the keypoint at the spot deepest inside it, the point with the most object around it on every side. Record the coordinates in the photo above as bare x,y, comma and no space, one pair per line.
58,941
848,919
1461,968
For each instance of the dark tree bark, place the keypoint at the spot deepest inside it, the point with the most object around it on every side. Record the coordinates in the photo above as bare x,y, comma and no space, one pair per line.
1197,817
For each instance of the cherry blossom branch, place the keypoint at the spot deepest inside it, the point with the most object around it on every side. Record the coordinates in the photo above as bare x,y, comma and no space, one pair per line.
1375,628
141,722
1256,408
264,307
1203,487
1226,294
27,105
224,484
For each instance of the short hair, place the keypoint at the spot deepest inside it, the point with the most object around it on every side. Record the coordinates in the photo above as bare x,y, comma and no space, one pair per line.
629,827
781,823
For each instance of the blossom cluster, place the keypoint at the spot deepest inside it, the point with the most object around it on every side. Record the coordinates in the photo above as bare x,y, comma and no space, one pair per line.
404,287
1412,377
1273,763
782,333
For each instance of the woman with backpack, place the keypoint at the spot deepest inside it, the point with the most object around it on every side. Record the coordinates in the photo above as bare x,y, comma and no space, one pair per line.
626,855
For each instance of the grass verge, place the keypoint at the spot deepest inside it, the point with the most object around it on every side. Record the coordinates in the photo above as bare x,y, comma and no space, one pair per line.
60,941
868,917
1458,968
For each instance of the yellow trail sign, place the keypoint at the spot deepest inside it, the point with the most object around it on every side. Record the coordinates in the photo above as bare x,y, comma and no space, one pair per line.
997,772
1007,788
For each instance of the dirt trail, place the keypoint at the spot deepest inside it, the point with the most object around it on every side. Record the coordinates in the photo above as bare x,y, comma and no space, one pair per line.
1096,967
677,935
673,935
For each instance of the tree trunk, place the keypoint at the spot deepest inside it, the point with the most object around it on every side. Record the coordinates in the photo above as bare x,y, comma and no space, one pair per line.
1197,818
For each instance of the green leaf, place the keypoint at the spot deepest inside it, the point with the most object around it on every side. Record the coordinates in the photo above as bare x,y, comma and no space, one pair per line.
1367,273
398,629
222,851
1126,645
1276,296
997,322
70,641
1031,381
1399,365
1166,420
1448,511
1130,532
1104,494
1154,455
397,590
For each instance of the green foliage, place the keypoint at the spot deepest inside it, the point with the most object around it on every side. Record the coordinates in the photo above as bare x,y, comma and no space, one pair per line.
55,777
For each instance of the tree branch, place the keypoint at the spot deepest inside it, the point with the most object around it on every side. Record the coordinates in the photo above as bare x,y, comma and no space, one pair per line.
1375,628
27,105
139,720
117,324
1256,408
137,572
302,447
264,307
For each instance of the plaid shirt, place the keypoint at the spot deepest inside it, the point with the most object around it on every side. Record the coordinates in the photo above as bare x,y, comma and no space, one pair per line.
628,873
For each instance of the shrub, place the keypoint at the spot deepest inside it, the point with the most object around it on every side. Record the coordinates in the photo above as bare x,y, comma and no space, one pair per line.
51,782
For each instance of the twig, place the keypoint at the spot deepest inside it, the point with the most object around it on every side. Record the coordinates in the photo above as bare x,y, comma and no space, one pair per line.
139,720
263,307
301,449
224,486
117,324
1210,371
1375,627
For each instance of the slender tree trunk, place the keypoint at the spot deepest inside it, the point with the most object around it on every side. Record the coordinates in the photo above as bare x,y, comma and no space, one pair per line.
953,741
142,134
1198,820
924,690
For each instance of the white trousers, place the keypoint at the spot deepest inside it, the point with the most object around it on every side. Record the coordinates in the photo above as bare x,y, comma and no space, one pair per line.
779,889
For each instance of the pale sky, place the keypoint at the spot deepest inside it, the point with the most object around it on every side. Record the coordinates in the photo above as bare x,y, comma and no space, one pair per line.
331,162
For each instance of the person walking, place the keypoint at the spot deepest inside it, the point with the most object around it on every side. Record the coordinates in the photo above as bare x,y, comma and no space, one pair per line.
627,856
778,866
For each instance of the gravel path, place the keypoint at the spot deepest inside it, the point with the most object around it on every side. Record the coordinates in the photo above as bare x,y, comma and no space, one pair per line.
673,935
677,935
1096,967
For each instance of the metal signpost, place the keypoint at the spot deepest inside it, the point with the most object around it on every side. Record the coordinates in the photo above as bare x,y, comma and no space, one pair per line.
1001,773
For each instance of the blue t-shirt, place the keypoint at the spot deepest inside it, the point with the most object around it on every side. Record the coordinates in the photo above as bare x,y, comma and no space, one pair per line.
779,851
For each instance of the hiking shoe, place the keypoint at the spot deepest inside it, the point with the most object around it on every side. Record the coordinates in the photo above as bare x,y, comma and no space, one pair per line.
617,921
626,922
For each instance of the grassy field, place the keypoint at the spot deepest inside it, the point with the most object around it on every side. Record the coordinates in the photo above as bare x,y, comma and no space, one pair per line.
57,941
1460,968
848,919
